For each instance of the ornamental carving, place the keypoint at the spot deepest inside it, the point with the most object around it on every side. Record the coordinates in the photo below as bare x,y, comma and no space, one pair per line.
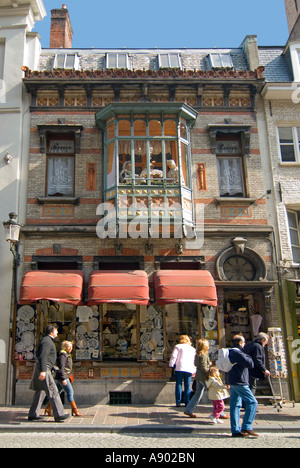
138,74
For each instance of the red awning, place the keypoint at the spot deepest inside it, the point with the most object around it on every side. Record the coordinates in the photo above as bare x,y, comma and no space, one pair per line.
59,286
127,287
173,286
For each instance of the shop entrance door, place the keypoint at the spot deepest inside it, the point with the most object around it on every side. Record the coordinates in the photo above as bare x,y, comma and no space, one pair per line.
243,315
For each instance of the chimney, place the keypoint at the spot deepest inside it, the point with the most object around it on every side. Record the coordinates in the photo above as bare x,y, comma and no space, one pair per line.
292,12
61,32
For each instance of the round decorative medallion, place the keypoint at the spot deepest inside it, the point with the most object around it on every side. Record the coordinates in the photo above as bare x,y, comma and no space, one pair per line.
238,268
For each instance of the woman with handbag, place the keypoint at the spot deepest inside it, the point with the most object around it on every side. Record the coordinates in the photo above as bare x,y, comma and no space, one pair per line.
182,359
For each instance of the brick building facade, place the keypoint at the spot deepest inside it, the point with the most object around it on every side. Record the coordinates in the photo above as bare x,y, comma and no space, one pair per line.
164,138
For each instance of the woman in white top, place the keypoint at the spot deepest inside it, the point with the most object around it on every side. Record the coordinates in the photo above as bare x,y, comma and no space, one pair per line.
183,357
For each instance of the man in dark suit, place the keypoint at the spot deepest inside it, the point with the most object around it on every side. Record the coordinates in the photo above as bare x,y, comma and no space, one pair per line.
43,382
256,350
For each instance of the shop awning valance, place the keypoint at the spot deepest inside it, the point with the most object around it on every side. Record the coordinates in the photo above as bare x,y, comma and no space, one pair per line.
175,286
59,286
127,287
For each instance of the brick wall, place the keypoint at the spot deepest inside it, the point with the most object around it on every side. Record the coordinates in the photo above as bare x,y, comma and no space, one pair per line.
292,11
61,32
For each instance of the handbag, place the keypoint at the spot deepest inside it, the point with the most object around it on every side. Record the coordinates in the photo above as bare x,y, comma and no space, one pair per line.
173,376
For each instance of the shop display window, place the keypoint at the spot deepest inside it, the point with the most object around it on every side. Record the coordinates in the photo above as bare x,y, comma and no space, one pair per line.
25,333
31,322
119,332
210,329
63,315
151,333
88,333
181,319
194,320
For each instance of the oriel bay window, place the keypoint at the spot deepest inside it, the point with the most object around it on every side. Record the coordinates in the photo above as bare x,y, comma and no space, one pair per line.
147,159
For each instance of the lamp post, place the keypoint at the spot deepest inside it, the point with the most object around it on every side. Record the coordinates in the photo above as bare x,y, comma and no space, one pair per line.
12,233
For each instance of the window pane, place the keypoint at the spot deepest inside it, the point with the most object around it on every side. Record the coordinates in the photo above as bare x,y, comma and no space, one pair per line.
174,61
155,128
119,333
70,61
111,166
181,319
111,131
156,167
170,128
125,166
294,236
124,128
164,60
230,177
60,176
296,254
140,158
122,60
287,153
183,132
60,61
184,173
287,144
215,60
292,220
111,61
226,61
286,135
139,127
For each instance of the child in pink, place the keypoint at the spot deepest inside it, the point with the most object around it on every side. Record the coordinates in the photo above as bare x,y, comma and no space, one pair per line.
217,392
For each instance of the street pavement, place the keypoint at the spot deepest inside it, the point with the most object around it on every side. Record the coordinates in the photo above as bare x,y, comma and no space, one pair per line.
141,427
152,418
173,443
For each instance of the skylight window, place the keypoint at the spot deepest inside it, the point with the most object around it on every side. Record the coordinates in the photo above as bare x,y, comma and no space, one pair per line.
114,60
66,61
169,61
220,61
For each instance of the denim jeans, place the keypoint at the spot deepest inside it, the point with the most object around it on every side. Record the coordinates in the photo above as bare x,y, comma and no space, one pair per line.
239,394
186,377
200,387
67,388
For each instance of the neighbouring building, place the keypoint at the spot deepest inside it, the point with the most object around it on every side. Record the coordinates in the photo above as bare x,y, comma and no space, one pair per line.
280,137
19,46
146,210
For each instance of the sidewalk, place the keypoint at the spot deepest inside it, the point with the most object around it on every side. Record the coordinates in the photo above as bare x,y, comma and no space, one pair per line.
159,418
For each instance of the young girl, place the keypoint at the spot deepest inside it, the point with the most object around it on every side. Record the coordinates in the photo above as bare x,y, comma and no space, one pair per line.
217,392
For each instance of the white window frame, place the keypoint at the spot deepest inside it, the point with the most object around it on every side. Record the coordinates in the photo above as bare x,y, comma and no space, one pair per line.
220,57
297,230
76,62
169,57
296,144
295,59
117,55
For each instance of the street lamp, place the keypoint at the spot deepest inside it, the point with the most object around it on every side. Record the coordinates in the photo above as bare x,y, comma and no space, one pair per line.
12,234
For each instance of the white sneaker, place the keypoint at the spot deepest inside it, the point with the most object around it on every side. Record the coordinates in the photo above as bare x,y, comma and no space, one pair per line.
213,419
219,421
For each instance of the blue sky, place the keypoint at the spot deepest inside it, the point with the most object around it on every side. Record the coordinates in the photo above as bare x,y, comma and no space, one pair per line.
170,23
